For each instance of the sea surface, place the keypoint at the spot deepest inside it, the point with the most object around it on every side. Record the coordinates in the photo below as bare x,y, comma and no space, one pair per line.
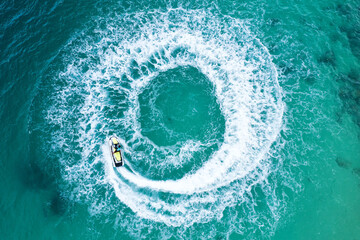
237,119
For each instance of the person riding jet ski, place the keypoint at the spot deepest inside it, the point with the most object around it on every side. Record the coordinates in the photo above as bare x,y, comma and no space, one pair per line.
117,147
116,152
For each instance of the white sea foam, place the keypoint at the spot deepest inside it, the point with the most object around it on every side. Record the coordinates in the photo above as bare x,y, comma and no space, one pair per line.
131,52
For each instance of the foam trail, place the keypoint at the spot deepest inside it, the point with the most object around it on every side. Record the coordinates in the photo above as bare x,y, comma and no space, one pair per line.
125,61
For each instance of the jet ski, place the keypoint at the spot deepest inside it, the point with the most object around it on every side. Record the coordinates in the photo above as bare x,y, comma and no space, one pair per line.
116,151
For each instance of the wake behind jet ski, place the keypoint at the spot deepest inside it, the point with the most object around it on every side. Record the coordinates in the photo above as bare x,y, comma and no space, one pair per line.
115,150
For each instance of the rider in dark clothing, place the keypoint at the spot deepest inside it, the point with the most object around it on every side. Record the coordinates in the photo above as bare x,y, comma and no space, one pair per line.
117,147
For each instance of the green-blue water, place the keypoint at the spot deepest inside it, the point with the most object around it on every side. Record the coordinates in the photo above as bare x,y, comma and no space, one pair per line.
238,119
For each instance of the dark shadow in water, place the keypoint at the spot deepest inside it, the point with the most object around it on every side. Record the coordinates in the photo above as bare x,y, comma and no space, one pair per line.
328,58
343,9
353,35
58,204
338,116
343,163
354,77
349,166
273,21
219,237
351,27
35,178
310,80
40,173
349,93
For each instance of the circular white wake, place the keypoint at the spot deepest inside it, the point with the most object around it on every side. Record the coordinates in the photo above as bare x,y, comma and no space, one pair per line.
132,50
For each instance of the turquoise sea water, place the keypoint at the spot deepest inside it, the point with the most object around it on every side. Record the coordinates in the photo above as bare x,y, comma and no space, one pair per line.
238,119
